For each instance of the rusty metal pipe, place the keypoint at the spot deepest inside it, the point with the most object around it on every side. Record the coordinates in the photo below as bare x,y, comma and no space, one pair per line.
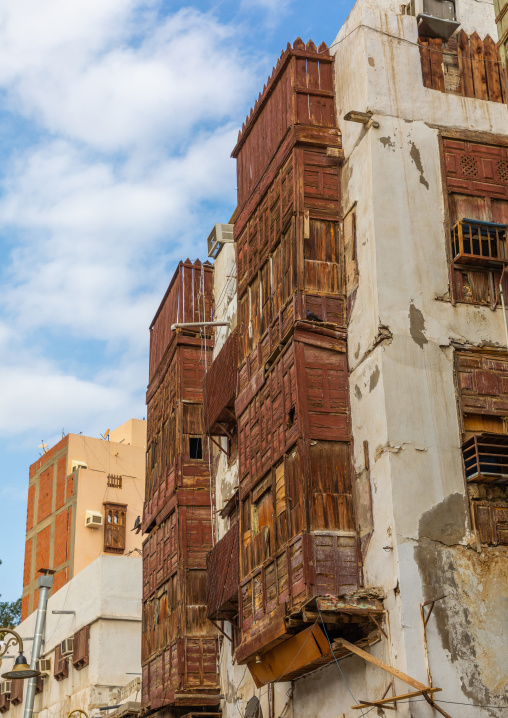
183,325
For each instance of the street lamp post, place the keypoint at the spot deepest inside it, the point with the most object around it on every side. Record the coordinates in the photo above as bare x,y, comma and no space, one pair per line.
21,669
45,583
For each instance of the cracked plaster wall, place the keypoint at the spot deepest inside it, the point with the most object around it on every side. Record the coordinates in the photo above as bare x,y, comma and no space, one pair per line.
401,340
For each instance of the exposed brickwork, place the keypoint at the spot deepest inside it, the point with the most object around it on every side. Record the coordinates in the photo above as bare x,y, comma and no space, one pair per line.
48,456
60,482
28,562
45,494
42,549
24,607
70,486
36,600
62,531
30,508
60,580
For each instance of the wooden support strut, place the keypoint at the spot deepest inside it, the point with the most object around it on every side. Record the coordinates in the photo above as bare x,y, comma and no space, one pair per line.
393,699
420,687
214,441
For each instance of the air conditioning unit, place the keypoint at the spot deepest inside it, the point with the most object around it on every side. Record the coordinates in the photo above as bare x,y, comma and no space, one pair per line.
43,665
93,519
67,647
5,688
436,18
220,234
75,465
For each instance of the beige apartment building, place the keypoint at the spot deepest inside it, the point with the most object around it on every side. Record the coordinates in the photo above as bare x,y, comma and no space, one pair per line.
84,497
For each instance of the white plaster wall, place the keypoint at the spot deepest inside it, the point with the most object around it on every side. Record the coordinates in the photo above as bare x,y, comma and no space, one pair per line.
224,282
403,398
107,596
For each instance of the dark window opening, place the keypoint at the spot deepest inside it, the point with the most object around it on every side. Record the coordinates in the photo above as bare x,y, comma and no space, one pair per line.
195,447
290,417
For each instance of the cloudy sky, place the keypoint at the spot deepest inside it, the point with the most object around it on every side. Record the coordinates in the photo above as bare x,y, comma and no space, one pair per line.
117,120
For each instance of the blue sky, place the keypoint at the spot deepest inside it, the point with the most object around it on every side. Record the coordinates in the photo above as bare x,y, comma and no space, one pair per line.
117,120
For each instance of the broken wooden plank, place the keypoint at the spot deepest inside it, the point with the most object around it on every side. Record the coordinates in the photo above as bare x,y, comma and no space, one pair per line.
478,63
437,708
384,666
425,61
349,605
436,63
394,699
466,72
366,704
492,68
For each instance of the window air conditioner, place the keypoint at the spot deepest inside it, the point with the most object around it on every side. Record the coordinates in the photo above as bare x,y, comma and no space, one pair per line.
93,519
5,688
220,234
75,465
436,18
66,647
44,666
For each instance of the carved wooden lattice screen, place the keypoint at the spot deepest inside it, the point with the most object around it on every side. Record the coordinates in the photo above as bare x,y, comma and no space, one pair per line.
114,527
17,691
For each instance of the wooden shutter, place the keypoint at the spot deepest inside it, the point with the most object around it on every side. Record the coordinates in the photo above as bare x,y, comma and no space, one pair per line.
491,523
5,702
80,653
61,667
115,516
17,691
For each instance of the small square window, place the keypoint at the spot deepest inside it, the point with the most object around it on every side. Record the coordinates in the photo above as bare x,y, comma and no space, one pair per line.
195,447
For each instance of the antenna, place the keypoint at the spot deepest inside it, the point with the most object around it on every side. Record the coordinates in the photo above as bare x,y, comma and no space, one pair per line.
43,446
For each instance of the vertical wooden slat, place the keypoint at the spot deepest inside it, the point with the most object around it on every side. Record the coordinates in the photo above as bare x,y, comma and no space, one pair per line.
436,63
466,73
478,63
493,69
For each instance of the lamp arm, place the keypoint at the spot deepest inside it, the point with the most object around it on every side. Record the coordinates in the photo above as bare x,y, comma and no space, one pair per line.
76,711
11,642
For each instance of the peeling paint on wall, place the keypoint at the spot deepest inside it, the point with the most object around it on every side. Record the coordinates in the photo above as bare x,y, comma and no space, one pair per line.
415,156
417,325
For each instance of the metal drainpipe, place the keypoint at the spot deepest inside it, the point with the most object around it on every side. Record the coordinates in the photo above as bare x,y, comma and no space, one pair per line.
503,304
44,583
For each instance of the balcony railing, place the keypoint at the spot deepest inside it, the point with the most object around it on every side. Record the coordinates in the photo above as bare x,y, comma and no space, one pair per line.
479,243
486,458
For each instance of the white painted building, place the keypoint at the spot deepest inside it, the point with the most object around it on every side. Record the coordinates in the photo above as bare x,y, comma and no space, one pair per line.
105,601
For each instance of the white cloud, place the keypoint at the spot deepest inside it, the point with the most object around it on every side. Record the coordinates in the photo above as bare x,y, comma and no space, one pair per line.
73,68
133,119
273,9
92,233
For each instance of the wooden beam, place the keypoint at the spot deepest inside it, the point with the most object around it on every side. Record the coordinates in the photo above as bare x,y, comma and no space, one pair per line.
384,666
220,629
394,699
218,445
437,708
366,704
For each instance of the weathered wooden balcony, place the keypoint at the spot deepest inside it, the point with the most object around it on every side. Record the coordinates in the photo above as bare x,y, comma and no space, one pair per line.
479,243
223,577
485,459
